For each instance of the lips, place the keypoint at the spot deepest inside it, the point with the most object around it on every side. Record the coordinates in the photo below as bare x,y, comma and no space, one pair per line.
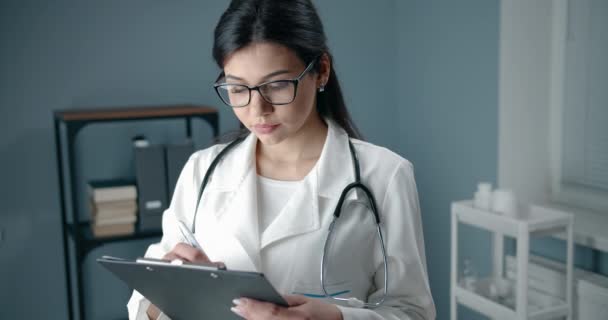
265,128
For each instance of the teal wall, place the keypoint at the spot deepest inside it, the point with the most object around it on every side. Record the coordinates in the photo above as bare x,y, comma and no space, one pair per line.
448,109
67,53
419,76
447,78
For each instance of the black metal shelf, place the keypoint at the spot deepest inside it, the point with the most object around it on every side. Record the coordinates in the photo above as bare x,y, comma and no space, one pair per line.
67,124
89,242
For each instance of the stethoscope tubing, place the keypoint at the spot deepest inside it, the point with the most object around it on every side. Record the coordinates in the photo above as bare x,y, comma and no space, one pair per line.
352,186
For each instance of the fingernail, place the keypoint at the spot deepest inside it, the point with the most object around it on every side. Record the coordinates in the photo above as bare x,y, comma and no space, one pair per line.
237,301
235,310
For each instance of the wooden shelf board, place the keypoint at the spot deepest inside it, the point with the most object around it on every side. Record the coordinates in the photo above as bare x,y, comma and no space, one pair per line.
84,228
126,113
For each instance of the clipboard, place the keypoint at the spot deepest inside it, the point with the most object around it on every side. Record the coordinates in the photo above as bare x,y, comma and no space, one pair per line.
191,291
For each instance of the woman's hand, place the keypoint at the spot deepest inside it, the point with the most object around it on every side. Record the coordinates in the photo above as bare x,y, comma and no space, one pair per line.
186,253
300,307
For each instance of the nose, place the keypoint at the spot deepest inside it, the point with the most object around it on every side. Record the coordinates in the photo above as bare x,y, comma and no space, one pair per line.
258,106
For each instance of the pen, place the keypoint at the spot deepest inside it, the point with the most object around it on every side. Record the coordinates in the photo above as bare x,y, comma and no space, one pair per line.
188,236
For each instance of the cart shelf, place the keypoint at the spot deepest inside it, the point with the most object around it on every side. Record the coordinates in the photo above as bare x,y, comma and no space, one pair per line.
523,302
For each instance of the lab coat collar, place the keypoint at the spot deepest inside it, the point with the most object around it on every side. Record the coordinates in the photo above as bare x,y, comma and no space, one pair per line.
333,171
335,168
301,214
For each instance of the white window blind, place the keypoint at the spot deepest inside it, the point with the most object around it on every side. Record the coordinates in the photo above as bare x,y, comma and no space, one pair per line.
585,109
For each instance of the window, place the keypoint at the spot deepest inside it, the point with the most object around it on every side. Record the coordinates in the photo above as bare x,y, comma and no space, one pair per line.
580,104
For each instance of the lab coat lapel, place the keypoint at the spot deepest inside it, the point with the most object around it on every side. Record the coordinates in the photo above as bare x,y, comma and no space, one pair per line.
334,170
300,214
238,213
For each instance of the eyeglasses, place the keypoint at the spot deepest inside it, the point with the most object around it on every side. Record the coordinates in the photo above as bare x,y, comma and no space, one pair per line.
277,92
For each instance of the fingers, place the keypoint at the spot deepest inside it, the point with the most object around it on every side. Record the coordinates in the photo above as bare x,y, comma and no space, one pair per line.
189,253
253,310
295,300
171,256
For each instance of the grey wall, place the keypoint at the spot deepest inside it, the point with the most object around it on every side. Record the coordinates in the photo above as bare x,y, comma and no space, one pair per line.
64,54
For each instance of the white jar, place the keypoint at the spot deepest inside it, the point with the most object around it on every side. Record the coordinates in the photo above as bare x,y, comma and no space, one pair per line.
504,202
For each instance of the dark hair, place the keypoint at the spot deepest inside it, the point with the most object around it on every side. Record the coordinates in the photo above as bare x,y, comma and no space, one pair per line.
294,24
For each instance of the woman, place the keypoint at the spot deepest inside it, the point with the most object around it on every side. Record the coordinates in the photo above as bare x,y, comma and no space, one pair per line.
270,200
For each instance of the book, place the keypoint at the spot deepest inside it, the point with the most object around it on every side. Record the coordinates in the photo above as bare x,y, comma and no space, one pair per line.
115,220
113,209
115,205
113,230
112,190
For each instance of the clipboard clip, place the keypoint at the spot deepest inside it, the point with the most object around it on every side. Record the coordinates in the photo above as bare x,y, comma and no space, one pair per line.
112,258
178,262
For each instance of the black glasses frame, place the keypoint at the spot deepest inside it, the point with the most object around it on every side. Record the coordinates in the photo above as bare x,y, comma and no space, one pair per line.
295,81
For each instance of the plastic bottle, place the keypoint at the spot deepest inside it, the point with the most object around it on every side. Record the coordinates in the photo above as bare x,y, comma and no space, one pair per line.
469,275
483,196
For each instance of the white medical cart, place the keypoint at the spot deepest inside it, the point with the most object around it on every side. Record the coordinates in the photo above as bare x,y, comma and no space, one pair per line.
524,303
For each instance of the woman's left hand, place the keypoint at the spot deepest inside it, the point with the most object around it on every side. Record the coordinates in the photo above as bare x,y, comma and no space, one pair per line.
300,307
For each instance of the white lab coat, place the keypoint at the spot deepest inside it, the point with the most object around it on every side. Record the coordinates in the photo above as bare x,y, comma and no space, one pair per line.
289,251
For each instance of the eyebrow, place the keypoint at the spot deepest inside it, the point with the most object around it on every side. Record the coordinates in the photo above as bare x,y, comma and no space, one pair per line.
270,75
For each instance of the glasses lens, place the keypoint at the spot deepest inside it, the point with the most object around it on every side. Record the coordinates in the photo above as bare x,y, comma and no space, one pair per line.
279,92
234,95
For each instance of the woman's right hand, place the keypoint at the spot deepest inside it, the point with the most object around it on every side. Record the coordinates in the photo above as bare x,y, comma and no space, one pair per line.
186,253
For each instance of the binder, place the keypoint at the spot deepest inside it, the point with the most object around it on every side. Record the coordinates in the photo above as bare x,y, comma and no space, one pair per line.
151,185
176,157
190,291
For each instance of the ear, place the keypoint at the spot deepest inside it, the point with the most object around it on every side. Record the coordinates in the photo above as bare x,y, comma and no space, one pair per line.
324,70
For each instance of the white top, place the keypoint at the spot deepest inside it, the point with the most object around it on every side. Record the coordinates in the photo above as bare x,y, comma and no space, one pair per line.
272,198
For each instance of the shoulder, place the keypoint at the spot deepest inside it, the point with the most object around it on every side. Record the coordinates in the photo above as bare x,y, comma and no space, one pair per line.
380,160
207,154
200,160
385,172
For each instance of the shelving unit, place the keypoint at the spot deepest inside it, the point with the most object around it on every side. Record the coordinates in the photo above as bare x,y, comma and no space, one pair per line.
535,222
78,239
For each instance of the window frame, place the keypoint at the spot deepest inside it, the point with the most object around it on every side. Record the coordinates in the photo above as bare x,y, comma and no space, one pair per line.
573,195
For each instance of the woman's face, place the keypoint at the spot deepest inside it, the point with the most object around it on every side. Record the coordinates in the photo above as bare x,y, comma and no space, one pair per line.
262,62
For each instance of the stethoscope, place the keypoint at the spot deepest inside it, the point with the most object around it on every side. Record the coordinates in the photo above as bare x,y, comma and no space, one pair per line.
354,185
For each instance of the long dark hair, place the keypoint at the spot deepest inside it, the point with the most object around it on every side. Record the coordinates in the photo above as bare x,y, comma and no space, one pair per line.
294,24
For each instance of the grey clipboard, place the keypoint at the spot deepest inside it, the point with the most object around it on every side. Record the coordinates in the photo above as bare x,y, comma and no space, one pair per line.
188,291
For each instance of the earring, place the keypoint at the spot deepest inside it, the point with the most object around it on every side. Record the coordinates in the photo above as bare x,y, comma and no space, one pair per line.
322,88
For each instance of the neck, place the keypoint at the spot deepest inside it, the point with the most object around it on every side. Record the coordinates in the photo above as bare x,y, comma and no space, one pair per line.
305,145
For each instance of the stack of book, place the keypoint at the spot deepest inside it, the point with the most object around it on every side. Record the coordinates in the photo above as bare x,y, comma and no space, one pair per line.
113,207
